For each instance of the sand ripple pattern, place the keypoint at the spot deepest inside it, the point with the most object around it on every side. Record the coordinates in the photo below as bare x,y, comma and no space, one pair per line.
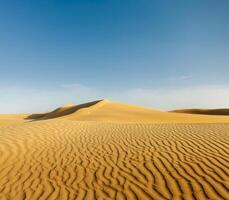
61,159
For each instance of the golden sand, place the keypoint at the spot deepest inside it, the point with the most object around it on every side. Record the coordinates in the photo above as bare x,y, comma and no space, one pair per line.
107,150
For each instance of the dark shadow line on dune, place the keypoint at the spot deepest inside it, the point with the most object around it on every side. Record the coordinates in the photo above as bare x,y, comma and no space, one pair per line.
58,113
220,111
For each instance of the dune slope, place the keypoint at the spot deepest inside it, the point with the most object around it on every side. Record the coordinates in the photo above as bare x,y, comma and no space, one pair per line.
61,111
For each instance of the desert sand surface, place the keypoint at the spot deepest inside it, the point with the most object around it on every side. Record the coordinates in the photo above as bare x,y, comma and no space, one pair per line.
10,119
109,150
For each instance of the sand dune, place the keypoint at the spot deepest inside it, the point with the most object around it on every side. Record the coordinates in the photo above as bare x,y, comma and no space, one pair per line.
108,111
93,152
222,111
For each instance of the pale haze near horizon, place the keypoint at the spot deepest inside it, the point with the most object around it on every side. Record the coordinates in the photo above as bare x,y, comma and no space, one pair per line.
158,54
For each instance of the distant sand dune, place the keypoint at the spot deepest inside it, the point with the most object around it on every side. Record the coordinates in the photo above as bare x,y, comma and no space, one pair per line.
96,153
204,111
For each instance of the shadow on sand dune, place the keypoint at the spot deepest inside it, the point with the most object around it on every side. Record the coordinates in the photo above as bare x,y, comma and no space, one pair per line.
62,111
222,111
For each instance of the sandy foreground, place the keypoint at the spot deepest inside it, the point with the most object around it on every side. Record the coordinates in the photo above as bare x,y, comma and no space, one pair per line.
106,150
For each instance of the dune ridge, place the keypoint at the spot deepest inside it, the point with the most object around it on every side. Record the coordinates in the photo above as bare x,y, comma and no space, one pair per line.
222,111
93,152
61,111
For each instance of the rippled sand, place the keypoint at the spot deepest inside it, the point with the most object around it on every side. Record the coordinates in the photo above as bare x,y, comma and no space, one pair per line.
63,158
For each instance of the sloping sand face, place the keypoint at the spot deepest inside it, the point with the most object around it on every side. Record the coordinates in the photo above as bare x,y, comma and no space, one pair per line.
66,159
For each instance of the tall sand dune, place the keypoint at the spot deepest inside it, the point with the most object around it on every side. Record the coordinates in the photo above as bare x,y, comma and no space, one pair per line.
107,150
108,111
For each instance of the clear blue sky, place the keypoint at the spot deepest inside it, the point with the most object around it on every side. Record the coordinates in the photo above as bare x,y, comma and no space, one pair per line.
106,49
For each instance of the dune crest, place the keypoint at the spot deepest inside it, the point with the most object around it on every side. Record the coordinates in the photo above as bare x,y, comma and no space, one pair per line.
68,105
62,111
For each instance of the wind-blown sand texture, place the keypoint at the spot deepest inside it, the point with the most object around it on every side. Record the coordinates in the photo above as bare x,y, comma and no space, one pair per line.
106,150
